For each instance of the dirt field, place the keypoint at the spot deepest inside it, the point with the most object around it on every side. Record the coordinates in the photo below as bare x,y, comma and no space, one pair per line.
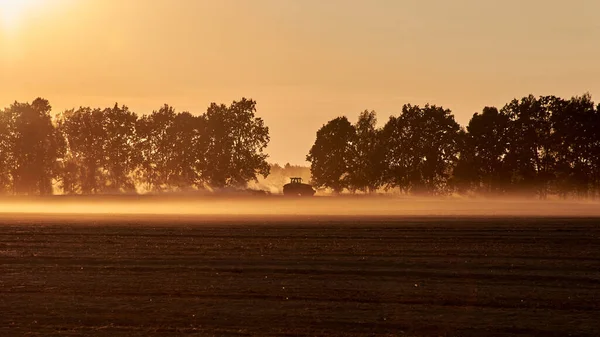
320,276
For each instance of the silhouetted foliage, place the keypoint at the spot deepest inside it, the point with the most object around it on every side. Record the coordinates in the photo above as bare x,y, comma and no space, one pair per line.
366,164
101,155
481,160
120,156
83,166
187,156
6,154
530,156
234,144
422,146
170,149
30,148
332,154
533,146
111,150
576,128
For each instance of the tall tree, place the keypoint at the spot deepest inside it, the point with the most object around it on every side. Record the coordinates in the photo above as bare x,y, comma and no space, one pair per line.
595,152
575,136
531,156
156,145
120,155
331,155
83,130
6,154
169,144
235,143
481,164
366,160
187,160
35,147
101,150
422,147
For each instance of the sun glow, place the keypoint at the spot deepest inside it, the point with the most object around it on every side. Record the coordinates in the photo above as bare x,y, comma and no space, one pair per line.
13,11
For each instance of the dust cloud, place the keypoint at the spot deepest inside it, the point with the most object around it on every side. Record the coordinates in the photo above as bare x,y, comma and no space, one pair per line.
269,206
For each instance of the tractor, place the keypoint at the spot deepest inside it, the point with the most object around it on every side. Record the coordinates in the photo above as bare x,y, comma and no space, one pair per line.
297,188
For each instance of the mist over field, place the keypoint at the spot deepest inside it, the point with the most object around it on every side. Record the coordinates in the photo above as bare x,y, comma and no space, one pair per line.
299,168
273,206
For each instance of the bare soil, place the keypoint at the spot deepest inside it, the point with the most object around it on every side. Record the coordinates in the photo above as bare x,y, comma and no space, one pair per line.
319,276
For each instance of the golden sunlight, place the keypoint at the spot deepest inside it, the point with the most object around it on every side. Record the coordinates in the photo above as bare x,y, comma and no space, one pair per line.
13,11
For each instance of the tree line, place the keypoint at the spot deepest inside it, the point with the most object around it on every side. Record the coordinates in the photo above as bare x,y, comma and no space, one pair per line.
532,146
113,150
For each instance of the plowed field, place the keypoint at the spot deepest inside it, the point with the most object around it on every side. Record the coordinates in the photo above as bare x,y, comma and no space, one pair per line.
300,276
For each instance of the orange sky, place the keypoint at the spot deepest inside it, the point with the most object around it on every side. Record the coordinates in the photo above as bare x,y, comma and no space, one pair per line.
304,61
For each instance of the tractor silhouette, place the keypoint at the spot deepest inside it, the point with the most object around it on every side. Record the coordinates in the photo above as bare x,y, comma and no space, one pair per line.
297,188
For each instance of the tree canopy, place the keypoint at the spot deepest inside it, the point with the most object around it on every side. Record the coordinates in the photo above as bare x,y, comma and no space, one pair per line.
235,143
331,155
113,150
532,146
30,147
537,146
